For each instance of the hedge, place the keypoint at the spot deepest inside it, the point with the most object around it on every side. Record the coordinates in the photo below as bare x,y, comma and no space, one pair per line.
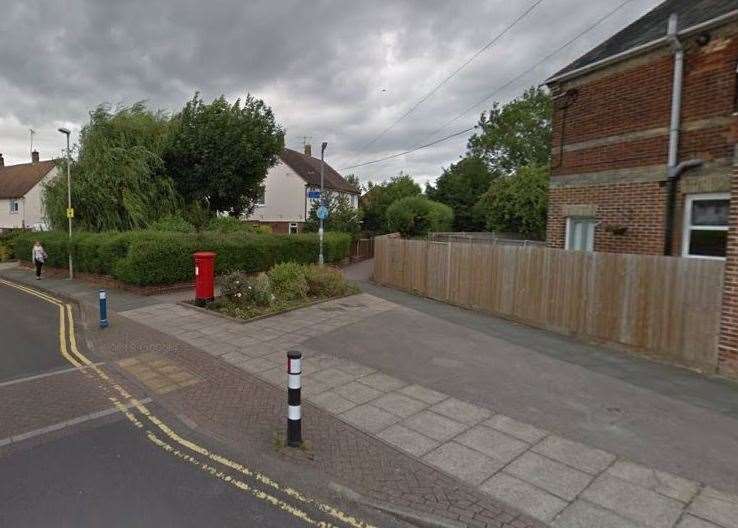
156,257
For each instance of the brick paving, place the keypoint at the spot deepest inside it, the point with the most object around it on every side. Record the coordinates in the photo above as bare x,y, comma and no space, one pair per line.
230,403
404,444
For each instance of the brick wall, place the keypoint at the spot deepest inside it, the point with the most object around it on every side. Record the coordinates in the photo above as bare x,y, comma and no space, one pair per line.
615,140
639,206
728,347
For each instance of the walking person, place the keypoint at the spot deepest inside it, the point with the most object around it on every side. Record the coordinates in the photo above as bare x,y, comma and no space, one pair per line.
39,256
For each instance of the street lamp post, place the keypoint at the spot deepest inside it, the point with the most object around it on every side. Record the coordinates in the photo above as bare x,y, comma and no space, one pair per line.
67,133
322,199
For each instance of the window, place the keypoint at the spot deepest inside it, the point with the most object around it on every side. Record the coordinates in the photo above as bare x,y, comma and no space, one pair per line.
13,206
706,225
293,229
261,196
580,233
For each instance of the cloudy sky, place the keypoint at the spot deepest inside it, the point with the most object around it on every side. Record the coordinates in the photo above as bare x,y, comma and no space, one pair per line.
340,71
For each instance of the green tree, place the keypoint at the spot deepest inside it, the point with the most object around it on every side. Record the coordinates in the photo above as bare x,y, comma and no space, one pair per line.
417,216
218,154
460,187
353,180
379,197
119,180
342,216
516,203
516,134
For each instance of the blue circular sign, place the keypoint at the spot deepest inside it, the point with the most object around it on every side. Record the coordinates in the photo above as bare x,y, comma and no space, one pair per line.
322,212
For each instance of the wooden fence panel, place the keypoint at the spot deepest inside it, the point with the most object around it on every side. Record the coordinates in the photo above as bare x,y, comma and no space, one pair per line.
661,306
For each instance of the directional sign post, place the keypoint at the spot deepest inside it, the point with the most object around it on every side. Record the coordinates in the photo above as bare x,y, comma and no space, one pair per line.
322,212
314,195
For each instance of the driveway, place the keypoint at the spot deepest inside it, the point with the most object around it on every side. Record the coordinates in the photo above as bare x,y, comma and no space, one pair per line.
660,416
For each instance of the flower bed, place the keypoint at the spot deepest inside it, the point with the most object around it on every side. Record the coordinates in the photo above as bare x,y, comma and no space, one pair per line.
285,287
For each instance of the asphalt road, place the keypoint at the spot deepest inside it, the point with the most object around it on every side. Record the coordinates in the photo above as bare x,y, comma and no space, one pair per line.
105,472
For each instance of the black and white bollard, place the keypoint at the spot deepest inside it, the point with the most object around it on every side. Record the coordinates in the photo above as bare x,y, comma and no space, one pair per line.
294,409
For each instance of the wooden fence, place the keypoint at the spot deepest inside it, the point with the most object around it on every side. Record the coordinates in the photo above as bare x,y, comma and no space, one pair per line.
664,307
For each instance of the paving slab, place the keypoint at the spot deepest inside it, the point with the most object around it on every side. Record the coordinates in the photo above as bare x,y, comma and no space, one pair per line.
256,365
582,514
461,411
574,454
494,444
355,369
529,499
332,377
520,430
382,382
408,440
332,402
358,392
424,394
689,521
666,484
717,507
399,404
369,418
434,426
554,477
633,502
464,463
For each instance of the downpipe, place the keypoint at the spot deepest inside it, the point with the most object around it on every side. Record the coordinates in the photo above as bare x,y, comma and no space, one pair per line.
674,168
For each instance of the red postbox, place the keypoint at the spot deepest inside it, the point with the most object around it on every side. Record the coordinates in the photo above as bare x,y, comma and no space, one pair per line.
204,276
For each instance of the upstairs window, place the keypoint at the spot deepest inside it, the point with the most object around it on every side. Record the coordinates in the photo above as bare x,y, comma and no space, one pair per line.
706,225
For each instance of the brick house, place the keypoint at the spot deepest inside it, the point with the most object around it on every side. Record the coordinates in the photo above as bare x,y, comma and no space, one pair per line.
643,140
644,156
286,200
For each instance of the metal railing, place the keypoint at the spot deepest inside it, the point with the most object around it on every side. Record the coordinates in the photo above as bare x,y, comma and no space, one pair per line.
485,238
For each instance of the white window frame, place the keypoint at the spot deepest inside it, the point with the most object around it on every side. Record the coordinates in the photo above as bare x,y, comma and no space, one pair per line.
296,227
568,241
687,228
14,202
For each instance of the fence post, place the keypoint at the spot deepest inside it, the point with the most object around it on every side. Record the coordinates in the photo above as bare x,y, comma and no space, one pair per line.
294,407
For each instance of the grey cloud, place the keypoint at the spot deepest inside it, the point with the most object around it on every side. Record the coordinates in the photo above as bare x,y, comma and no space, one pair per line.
322,65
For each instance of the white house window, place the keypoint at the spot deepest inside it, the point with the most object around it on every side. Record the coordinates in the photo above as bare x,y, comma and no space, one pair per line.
580,233
706,225
13,206
293,229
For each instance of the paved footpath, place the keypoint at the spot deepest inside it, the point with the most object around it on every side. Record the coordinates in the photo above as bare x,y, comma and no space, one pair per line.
246,415
515,462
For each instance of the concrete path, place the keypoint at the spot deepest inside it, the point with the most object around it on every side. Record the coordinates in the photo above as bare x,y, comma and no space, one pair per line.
513,459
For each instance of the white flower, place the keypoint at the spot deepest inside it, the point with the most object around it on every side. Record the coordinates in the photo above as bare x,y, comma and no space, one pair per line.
238,294
238,282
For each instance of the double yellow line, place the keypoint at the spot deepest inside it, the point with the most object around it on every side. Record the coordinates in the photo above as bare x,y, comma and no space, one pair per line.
181,447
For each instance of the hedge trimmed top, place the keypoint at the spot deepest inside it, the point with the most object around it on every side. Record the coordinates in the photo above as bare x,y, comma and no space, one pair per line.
154,257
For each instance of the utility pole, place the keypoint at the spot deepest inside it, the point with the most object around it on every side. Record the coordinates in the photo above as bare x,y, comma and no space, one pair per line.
67,133
322,199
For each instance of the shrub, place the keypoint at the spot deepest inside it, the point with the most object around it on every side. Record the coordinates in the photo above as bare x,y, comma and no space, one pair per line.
239,288
231,224
325,281
5,252
418,216
172,223
288,281
158,257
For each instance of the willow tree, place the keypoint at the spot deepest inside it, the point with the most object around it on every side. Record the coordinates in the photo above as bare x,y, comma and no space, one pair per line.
118,180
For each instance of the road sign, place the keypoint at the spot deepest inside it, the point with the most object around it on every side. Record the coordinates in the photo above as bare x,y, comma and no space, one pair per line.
322,212
313,194
70,213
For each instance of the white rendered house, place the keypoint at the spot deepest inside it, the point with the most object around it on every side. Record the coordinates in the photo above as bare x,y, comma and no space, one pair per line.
21,189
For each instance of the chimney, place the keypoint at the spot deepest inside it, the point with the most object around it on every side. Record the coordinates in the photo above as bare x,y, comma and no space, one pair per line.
2,161
308,150
34,156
